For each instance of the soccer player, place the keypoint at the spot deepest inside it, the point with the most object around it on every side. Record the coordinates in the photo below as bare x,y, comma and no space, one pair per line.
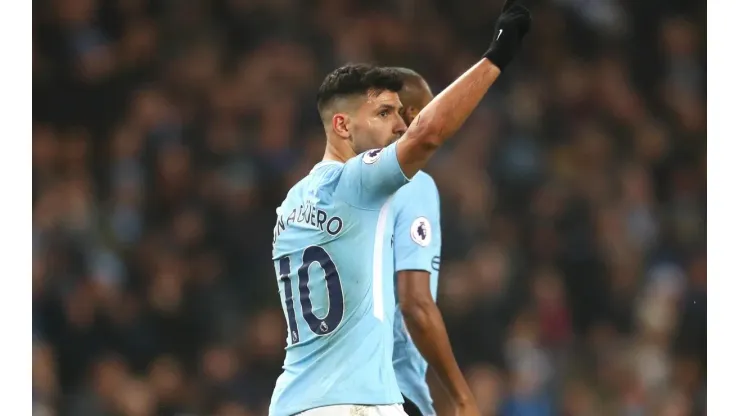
332,239
417,241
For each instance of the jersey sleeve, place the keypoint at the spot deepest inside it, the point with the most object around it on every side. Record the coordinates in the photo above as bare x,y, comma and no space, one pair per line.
370,178
417,235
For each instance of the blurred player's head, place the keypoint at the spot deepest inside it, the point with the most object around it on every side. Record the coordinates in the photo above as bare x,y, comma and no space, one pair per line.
360,108
415,94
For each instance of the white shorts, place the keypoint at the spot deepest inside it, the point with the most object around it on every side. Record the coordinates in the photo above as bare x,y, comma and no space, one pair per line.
356,410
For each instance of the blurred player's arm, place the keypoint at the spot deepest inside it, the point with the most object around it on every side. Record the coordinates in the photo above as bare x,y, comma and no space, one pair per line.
427,329
441,400
446,113
418,241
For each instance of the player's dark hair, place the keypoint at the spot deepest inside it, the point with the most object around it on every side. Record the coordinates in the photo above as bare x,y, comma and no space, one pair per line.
407,75
355,79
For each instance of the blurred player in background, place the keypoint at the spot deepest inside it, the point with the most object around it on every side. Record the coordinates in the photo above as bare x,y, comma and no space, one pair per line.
417,241
332,239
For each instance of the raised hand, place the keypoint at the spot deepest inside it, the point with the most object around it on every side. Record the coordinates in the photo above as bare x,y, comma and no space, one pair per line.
511,27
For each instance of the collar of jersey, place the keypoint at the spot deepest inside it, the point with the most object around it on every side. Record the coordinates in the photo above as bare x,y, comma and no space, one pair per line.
325,163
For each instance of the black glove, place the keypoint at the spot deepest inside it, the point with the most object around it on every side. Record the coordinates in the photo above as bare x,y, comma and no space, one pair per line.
511,26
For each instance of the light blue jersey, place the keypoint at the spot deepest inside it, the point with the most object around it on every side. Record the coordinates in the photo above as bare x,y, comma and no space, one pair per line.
417,241
334,261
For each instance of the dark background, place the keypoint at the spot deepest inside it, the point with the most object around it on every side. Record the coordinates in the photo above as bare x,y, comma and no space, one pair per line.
573,201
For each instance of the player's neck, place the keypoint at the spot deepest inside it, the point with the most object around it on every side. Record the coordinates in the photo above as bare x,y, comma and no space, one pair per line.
338,153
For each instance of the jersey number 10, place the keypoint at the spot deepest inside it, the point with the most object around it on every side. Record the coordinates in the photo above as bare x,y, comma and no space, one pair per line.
319,326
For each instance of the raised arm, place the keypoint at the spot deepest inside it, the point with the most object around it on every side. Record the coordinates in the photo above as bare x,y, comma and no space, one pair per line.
446,113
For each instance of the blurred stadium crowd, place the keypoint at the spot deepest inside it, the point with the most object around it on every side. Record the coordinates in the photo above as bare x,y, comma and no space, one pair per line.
573,201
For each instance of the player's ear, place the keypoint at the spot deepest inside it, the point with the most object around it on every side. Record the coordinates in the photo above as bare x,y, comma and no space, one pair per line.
340,124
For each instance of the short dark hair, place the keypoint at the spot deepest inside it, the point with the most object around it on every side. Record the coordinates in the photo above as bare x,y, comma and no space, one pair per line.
354,79
407,74
411,78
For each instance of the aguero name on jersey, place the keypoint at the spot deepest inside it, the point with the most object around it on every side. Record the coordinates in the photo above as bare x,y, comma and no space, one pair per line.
417,242
334,261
